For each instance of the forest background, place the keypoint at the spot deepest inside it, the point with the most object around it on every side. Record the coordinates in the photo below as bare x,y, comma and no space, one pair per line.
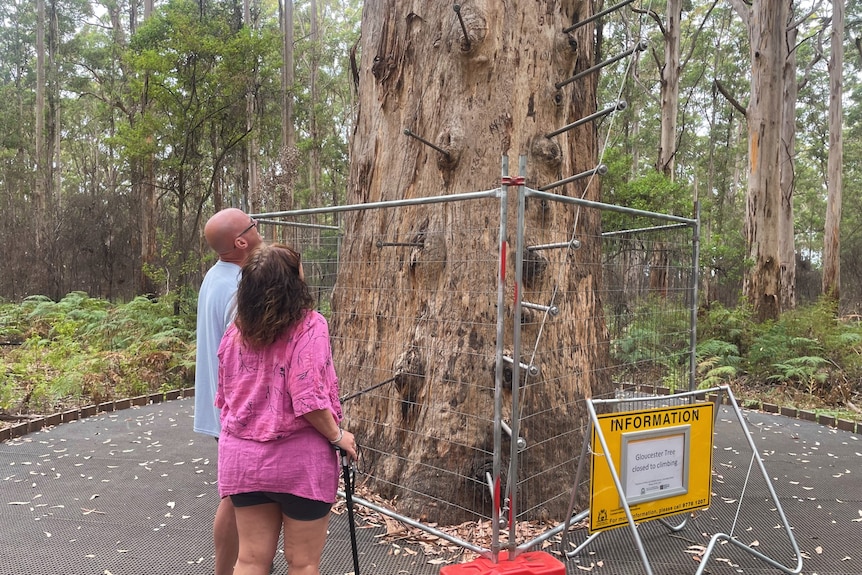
123,126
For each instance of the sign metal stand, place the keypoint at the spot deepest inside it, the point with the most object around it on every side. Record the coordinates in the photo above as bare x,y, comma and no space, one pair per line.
643,468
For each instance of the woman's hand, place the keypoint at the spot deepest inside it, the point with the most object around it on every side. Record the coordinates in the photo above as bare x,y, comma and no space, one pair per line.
325,424
347,443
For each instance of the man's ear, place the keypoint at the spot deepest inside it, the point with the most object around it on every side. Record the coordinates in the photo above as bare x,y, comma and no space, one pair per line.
240,243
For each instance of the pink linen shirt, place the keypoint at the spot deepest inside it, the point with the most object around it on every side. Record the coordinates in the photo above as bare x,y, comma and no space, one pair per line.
266,444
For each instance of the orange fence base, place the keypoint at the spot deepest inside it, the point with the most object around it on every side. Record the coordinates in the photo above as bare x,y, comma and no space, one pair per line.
532,563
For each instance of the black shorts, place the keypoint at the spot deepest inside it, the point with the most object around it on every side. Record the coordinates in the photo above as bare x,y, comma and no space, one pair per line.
293,506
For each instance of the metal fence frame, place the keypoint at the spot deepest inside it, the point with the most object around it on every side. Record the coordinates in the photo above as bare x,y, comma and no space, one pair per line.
508,185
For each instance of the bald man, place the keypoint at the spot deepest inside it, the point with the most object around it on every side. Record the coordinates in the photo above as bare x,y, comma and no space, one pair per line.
233,235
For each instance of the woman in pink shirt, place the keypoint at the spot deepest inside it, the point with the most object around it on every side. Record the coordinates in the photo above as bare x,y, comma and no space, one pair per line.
280,417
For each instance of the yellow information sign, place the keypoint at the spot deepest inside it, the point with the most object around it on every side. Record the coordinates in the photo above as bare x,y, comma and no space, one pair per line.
663,458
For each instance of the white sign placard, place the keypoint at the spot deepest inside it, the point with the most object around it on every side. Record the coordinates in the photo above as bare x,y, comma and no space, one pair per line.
654,463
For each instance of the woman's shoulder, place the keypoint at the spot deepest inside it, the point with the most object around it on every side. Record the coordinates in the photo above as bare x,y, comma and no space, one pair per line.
314,324
310,325
308,318
229,338
314,317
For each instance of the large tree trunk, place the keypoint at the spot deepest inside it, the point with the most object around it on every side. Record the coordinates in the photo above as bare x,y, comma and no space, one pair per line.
41,186
834,183
786,240
288,153
670,89
148,203
767,20
251,147
429,323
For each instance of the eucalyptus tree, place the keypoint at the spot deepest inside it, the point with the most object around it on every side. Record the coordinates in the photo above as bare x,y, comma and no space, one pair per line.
477,95
251,24
282,171
851,216
196,64
670,69
713,151
286,25
787,159
56,22
17,20
693,132
670,73
45,54
96,177
834,176
42,184
323,97
314,58
766,21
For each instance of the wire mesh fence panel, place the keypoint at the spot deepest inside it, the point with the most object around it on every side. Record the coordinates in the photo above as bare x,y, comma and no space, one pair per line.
644,300
647,303
422,420
425,415
430,331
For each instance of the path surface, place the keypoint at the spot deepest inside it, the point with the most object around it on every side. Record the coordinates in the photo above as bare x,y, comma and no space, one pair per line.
133,493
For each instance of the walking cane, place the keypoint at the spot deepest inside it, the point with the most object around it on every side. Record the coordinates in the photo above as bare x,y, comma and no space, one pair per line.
348,470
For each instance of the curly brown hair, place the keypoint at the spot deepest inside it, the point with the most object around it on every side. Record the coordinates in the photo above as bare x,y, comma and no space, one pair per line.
272,297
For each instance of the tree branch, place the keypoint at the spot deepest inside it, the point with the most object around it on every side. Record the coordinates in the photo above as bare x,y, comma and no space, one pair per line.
818,55
654,15
733,101
658,63
798,22
696,34
742,8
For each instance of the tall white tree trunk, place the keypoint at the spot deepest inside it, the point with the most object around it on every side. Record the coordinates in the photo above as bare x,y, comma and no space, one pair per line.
834,168
786,240
670,89
766,20
39,145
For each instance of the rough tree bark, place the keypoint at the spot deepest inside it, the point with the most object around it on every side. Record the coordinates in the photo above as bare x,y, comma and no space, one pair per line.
766,21
480,99
670,72
834,183
787,245
41,186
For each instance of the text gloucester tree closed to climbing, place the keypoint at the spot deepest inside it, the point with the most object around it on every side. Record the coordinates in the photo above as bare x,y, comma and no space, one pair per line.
425,320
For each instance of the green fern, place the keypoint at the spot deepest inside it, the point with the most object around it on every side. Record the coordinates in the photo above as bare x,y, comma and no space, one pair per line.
717,363
805,370
82,350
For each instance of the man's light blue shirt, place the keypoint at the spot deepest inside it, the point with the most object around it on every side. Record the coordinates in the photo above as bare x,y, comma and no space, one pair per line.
216,309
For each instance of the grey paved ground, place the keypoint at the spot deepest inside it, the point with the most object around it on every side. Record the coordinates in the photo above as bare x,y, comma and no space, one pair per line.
133,493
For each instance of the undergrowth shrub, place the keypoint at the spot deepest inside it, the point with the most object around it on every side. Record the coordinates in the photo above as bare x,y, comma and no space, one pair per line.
83,350
717,363
652,345
807,349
